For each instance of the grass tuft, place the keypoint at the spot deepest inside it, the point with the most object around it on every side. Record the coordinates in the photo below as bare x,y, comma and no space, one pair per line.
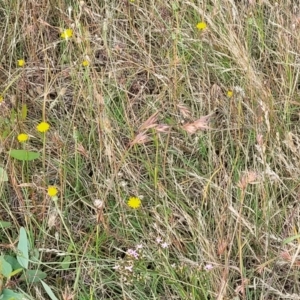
150,149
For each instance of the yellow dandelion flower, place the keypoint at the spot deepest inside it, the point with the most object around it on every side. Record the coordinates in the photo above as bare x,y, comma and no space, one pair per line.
43,127
52,191
85,63
22,137
201,25
229,93
67,34
21,63
134,202
1,98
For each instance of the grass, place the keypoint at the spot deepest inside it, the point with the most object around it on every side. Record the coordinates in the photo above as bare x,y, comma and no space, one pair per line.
150,117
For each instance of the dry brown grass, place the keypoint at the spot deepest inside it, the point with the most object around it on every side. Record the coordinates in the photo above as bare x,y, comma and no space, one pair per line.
150,117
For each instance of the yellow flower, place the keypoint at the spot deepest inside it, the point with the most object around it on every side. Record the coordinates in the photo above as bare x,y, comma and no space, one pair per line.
67,34
22,137
43,127
134,202
52,191
85,63
21,62
229,93
1,98
201,25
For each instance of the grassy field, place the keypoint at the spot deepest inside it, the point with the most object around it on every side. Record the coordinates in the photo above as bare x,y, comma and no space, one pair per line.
149,149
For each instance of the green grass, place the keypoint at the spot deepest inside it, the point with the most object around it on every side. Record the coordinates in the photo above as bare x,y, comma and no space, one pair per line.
222,200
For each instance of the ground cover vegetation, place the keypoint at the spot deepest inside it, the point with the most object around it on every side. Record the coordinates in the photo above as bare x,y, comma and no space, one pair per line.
149,149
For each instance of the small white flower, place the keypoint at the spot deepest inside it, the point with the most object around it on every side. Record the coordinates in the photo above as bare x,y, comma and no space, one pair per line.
164,245
123,183
116,267
158,240
208,267
129,268
239,90
140,246
132,253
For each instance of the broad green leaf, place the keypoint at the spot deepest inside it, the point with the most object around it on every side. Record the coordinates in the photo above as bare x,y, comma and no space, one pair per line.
33,276
48,290
23,155
291,238
4,224
24,112
65,264
5,267
10,295
13,262
3,175
22,255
